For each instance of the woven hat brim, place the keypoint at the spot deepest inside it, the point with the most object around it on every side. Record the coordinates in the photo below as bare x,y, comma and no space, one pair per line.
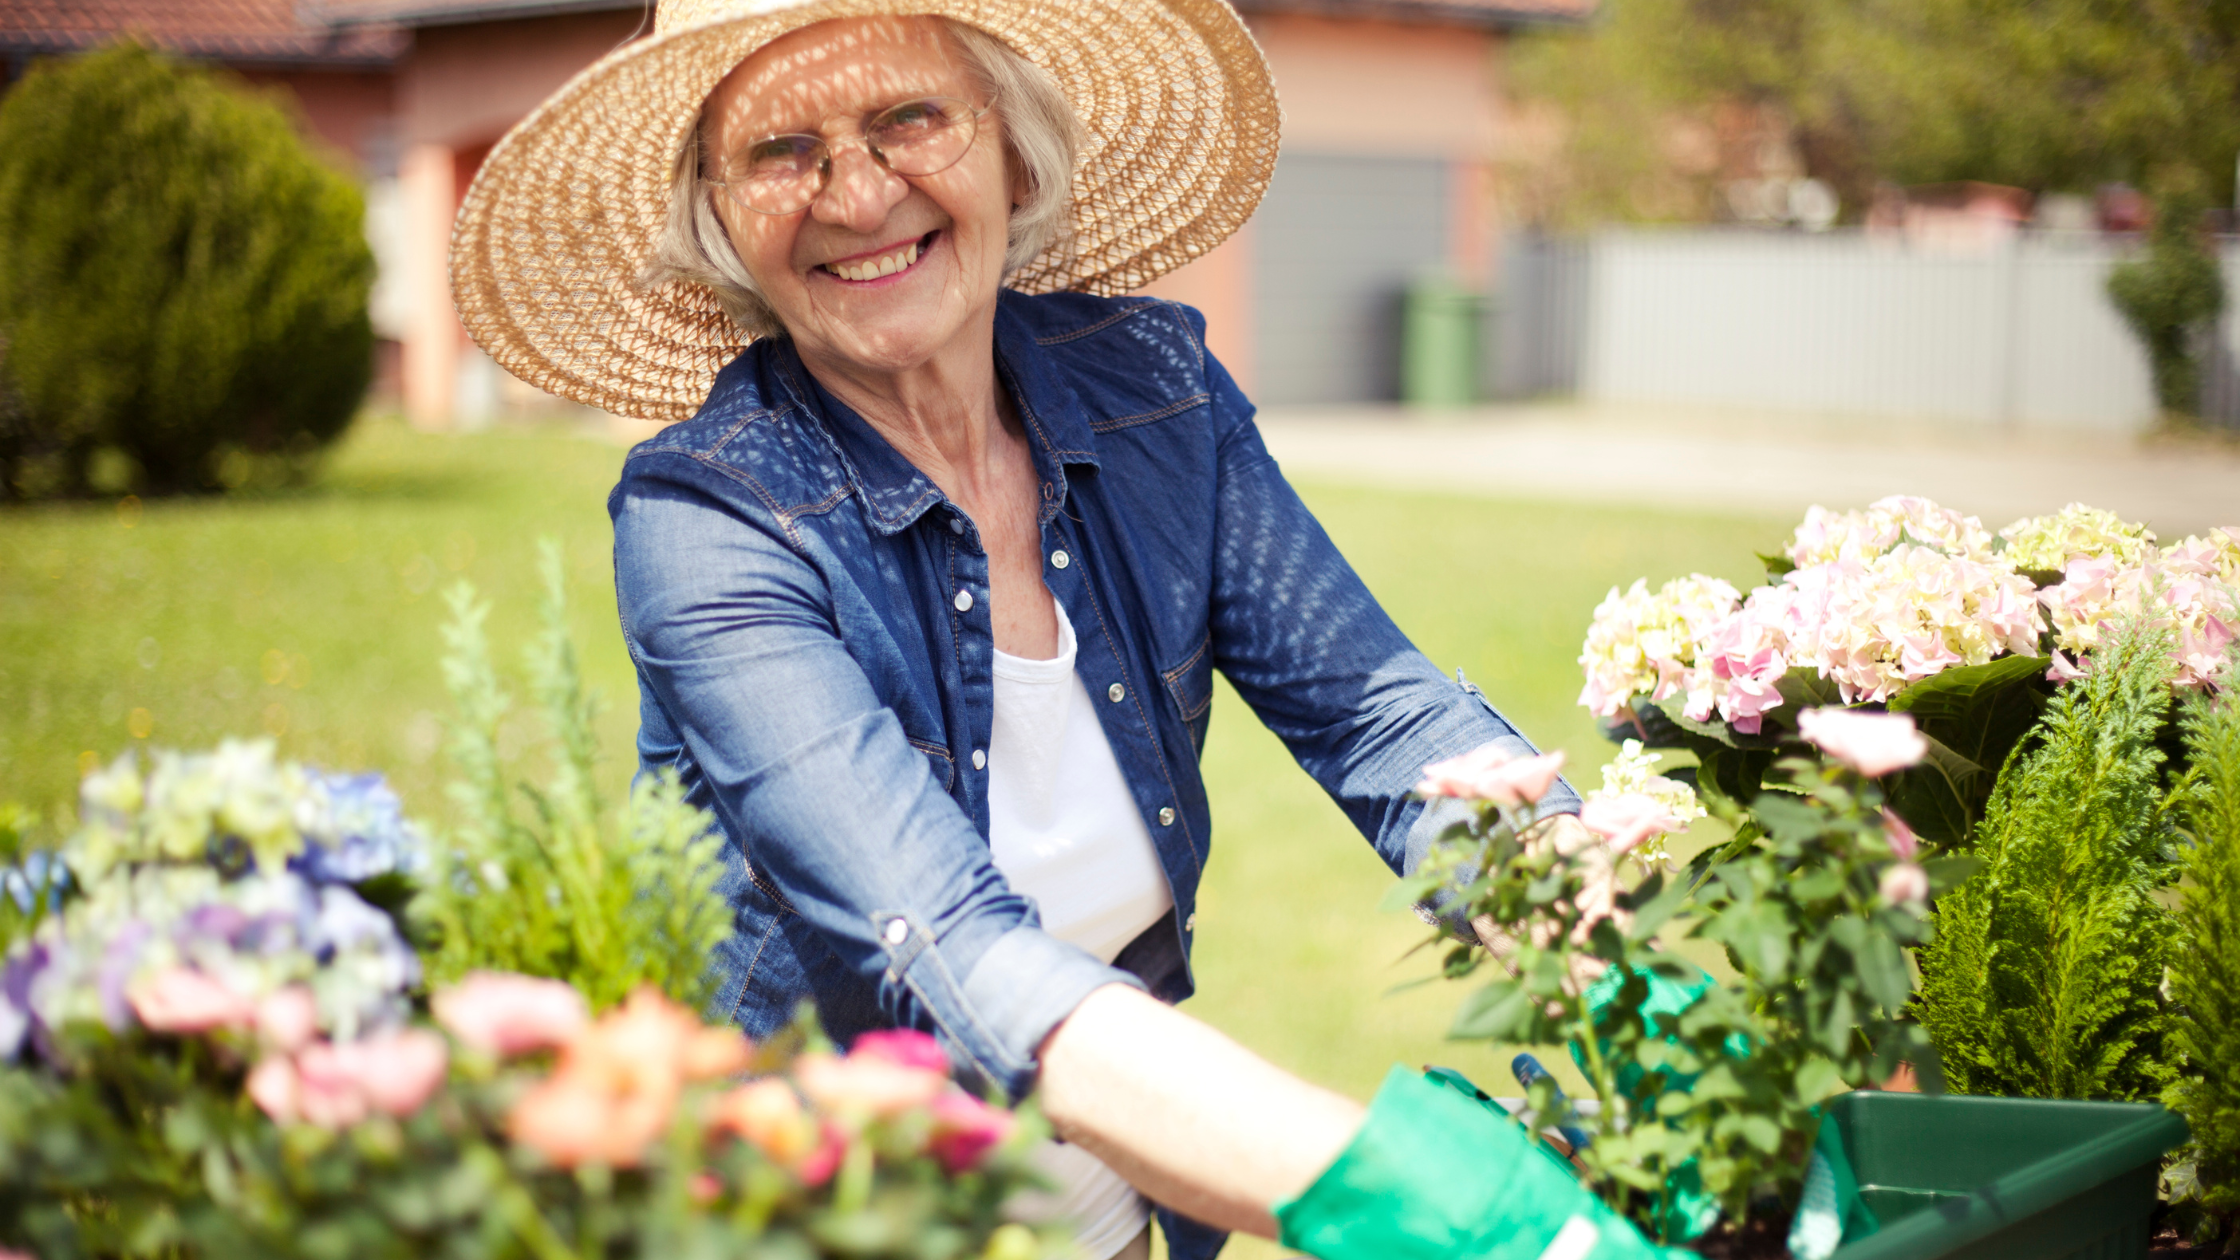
1174,98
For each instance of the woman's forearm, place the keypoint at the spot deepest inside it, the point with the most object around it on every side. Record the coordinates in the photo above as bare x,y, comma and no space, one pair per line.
1189,1117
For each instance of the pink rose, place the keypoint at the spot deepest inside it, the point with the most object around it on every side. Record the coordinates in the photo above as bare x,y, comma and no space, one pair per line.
867,1084
905,1046
288,1018
400,1070
327,1092
1874,744
1902,840
1905,884
274,1087
501,1013
1492,773
965,1130
182,1000
1626,820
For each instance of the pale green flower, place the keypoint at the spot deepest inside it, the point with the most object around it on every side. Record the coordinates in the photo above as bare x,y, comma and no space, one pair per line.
2076,532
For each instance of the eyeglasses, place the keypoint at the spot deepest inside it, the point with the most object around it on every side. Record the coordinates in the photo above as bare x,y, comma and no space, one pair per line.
782,174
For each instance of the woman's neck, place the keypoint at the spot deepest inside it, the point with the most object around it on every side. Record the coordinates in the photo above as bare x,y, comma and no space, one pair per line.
946,415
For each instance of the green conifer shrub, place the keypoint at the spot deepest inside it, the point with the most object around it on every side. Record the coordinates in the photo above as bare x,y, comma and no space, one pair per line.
2205,973
183,283
605,899
2171,295
2044,976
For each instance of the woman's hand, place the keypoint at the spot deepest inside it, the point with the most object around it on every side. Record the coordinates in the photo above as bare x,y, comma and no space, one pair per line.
1189,1117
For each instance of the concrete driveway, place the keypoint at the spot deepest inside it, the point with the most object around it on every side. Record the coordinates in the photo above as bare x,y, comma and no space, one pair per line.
1757,463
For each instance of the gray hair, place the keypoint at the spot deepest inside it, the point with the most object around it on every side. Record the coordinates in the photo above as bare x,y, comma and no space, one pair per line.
1040,134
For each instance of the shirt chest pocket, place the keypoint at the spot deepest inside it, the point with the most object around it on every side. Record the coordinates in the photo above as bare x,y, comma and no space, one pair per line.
939,761
1190,686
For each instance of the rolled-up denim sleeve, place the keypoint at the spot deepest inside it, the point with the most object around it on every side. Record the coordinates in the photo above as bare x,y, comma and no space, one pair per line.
811,775
1309,648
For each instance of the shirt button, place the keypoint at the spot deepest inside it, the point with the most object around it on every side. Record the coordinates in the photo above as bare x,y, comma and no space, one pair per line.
1059,559
979,758
956,524
1166,817
898,931
1117,692
1188,925
964,601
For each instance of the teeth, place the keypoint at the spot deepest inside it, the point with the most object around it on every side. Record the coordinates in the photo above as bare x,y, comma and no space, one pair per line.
874,268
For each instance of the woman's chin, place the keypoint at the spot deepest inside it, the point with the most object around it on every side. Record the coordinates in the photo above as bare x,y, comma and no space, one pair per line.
889,338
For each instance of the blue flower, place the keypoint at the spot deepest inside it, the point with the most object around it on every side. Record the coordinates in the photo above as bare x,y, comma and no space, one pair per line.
366,835
40,872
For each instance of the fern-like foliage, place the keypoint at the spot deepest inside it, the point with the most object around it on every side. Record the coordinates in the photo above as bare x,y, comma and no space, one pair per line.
2044,977
2205,958
567,888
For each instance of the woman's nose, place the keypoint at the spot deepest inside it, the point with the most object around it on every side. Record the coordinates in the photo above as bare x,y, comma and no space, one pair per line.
860,191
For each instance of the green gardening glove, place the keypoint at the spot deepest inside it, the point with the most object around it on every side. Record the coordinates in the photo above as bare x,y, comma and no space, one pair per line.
1432,1175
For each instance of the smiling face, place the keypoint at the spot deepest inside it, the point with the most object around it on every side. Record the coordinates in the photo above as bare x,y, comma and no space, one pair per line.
881,273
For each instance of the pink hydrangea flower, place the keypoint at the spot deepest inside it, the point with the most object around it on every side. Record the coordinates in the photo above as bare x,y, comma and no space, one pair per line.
1492,773
1874,744
502,1013
183,1000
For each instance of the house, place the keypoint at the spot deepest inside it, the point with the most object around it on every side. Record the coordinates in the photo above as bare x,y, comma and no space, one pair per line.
1389,107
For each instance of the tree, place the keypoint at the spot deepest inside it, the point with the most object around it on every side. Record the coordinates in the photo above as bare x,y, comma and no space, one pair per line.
183,282
2049,95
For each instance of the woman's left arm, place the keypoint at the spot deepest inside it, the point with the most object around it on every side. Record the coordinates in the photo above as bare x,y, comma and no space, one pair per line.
1310,649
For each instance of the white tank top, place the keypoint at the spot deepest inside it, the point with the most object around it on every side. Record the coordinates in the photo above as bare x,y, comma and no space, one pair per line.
1066,832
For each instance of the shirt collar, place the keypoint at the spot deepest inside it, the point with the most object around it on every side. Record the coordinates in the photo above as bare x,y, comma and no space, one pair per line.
894,492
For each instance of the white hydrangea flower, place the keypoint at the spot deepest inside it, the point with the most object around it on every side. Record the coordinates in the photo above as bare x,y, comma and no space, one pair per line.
1644,644
1633,772
1827,536
2076,532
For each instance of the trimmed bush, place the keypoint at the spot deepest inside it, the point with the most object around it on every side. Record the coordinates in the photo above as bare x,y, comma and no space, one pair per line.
183,283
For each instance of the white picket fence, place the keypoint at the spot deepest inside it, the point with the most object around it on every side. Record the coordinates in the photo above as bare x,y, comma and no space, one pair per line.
2019,334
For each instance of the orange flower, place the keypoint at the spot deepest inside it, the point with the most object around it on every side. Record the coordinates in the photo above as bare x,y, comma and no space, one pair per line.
769,1114
617,1082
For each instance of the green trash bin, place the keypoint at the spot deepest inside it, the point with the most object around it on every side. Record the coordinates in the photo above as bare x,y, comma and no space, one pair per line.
1439,344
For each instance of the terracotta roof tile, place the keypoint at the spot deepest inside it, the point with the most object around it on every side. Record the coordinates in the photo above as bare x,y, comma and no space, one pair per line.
1486,13
257,31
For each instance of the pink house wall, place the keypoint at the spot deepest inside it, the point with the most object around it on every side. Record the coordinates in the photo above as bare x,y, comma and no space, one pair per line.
458,91
1358,86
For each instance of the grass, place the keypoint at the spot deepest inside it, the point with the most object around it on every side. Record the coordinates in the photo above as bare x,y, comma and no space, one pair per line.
313,617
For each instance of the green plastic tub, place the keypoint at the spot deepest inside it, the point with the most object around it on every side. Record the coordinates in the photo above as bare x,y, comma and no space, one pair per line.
2003,1178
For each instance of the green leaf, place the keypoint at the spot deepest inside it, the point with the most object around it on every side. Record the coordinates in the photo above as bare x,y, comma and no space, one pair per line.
1803,687
1947,873
1654,914
1501,1011
1941,797
1778,566
1408,893
1816,1079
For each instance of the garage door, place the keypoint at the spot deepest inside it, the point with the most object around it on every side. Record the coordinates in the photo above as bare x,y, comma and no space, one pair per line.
1334,245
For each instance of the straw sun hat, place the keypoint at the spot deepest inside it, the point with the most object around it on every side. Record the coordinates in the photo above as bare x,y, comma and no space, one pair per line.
1173,95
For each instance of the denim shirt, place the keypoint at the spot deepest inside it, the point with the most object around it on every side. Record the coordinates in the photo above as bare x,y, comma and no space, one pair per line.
809,619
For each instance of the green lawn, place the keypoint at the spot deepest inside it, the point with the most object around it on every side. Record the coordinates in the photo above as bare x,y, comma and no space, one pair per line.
315,617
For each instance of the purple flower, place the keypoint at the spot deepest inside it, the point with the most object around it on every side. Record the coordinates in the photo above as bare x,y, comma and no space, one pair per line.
118,961
39,873
22,968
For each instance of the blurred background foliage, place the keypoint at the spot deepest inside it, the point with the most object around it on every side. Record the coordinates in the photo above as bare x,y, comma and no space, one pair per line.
2044,95
183,283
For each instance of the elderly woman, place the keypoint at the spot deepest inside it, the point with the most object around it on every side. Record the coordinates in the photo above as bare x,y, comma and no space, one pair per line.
926,596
